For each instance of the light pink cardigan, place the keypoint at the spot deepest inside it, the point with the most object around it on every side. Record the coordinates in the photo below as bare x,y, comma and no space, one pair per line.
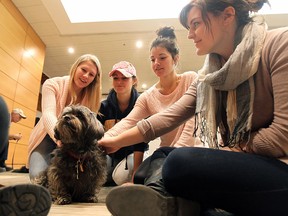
151,102
54,97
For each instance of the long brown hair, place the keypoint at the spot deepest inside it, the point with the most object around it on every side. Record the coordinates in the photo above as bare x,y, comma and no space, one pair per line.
215,7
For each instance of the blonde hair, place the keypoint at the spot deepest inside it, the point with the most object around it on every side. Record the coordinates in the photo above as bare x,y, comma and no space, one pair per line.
92,93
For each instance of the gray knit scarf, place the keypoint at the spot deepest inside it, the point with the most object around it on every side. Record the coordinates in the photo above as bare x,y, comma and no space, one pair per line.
236,78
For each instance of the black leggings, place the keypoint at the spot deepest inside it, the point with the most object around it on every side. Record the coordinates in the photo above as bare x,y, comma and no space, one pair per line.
240,183
4,128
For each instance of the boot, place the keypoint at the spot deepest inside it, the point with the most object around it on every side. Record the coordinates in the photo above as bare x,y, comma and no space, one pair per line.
149,199
154,180
25,199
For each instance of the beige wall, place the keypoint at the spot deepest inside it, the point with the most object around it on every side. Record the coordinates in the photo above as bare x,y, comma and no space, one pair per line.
20,75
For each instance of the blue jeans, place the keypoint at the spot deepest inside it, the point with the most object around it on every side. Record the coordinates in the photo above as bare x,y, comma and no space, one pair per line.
40,158
240,183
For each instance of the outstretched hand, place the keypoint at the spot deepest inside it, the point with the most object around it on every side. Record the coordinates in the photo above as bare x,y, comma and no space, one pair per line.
109,144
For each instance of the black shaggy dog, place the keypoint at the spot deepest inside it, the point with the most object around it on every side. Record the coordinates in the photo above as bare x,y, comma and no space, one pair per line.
78,167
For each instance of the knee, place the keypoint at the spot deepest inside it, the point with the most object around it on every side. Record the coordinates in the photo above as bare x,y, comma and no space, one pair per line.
180,163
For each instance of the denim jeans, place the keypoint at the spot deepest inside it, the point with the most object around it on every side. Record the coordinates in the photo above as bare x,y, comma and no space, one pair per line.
40,158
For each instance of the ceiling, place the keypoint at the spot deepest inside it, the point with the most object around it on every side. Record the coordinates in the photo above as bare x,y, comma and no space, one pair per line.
109,41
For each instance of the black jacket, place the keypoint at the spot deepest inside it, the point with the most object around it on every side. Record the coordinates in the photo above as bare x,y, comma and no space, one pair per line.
110,112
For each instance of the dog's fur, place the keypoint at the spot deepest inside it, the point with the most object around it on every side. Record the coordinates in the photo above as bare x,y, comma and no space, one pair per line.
78,167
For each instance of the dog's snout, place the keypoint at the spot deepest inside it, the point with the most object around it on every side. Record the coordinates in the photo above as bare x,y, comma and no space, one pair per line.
67,118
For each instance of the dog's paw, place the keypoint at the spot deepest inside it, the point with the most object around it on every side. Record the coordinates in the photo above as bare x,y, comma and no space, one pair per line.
62,200
90,199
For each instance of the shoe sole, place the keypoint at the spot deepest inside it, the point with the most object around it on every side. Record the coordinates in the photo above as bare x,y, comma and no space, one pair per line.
24,200
139,200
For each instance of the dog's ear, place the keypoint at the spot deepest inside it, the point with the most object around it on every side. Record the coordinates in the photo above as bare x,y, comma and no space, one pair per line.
95,128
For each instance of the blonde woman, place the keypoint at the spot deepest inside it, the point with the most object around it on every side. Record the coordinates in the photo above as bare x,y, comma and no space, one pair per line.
82,86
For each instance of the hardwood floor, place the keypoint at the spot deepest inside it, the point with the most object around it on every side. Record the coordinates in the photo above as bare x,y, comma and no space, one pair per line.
87,209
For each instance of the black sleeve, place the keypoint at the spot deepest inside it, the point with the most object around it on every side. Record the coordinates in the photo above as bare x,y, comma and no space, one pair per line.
141,147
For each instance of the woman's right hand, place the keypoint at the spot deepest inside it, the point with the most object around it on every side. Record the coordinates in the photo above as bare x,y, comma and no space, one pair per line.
109,144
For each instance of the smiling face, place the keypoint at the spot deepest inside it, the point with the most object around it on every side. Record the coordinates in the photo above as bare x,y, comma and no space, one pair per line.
204,39
85,74
162,62
216,36
122,84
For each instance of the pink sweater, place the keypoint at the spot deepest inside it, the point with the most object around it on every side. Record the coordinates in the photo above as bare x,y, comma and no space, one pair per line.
54,97
151,102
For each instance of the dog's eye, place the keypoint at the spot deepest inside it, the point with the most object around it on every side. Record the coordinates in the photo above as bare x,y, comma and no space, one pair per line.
79,115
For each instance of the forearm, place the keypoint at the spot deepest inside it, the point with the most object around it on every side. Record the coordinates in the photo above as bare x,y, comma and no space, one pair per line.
130,137
171,118
127,138
138,158
137,113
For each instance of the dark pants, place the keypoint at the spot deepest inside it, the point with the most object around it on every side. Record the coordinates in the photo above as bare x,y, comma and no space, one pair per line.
4,130
241,183
4,124
142,171
4,155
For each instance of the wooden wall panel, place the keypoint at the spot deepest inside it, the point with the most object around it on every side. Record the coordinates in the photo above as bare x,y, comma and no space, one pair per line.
29,81
8,65
34,41
16,128
19,151
7,85
20,74
12,36
26,98
14,12
31,65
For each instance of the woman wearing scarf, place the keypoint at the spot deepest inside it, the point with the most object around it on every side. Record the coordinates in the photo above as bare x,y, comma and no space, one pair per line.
242,94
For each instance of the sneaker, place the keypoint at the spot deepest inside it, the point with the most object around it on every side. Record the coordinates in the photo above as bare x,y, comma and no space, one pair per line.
24,199
2,169
139,200
8,168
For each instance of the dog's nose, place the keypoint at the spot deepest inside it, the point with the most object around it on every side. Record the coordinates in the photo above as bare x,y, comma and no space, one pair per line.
67,118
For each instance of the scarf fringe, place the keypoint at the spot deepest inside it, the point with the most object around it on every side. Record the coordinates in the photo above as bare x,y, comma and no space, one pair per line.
201,130
212,140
